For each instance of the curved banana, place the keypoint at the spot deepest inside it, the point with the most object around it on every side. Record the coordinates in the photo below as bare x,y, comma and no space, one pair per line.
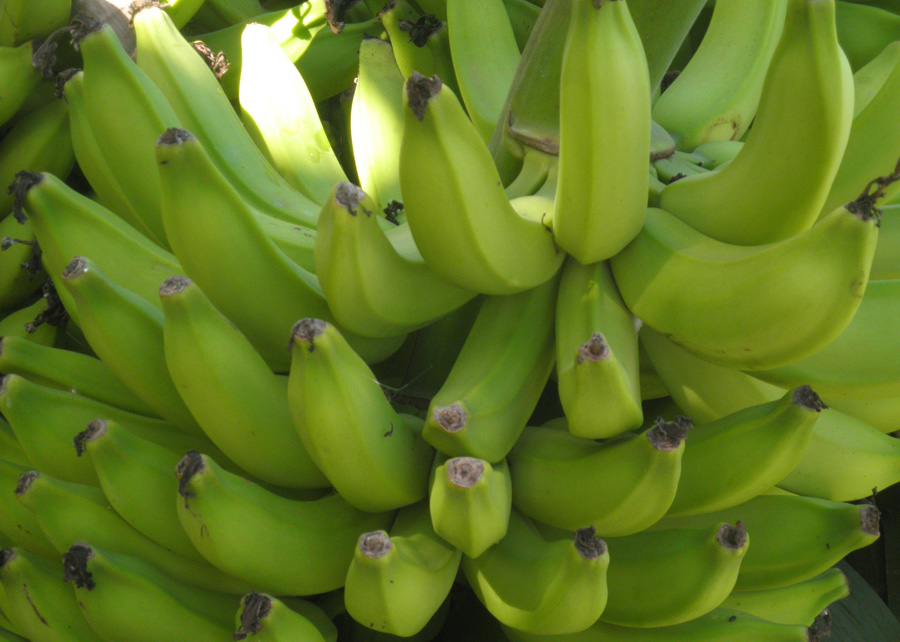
619,486
17,523
70,512
371,288
460,217
237,400
39,321
19,75
207,219
23,20
597,367
798,603
858,364
268,619
743,454
881,414
420,41
279,545
865,31
374,456
470,500
497,379
718,152
123,597
805,109
715,96
398,581
21,272
549,587
601,194
42,606
794,537
720,301
280,114
673,575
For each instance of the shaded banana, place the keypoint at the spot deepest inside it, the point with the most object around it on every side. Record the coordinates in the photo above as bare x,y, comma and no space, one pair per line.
264,618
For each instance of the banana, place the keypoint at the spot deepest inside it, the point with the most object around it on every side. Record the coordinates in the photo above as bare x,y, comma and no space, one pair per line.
460,217
794,537
497,379
715,96
601,196
798,603
19,75
398,581
673,575
206,219
538,174
280,114
879,413
374,456
45,420
743,454
39,142
136,475
264,618
196,97
123,597
23,20
619,486
865,31
70,371
886,262
6,631
18,523
237,400
21,272
597,366
539,586
470,500
68,224
675,167
872,147
806,106
858,363
419,41
43,607
181,11
39,321
69,512
126,332
10,447
473,28
282,546
372,288
716,153
705,295
719,625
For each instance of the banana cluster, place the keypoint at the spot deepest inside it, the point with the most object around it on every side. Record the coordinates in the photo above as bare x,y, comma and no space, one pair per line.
438,319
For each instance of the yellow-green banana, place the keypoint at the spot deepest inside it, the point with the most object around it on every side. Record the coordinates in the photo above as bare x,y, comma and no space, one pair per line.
23,20
17,523
19,75
265,618
21,271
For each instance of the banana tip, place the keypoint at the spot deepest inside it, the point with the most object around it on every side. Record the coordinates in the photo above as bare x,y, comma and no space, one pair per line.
188,466
733,538
76,267
870,519
6,556
450,418
26,479
95,429
805,397
306,331
594,349
75,566
419,90
22,182
174,285
668,435
255,606
375,544
350,197
588,545
174,136
465,472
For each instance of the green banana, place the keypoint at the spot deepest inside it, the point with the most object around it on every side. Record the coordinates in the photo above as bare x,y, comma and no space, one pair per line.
886,262
794,537
43,607
181,11
461,220
206,219
619,486
280,114
419,41
19,76
673,575
806,106
719,301
123,597
237,400
798,603
597,366
389,569
374,456
23,20
39,321
539,586
69,512
279,545
715,96
716,153
21,271
371,287
496,381
470,500
601,196
878,413
18,523
10,446
745,453
865,31
264,618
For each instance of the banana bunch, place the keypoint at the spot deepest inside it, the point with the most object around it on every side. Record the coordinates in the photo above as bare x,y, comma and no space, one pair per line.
372,320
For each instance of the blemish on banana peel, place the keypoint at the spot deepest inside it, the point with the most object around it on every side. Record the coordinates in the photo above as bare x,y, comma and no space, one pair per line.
188,466
588,545
451,418
464,472
306,330
256,606
75,566
95,429
668,435
350,197
32,604
733,538
374,544
805,397
419,90
594,349
22,182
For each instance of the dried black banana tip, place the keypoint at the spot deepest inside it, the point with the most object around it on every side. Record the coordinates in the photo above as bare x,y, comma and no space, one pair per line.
821,627
419,90
350,197
588,544
805,397
733,537
422,29
465,472
23,182
188,466
594,349
26,479
256,606
334,13
7,555
75,566
62,78
83,25
668,435
76,267
95,429
174,136
375,544
870,519
174,285
217,62
306,331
